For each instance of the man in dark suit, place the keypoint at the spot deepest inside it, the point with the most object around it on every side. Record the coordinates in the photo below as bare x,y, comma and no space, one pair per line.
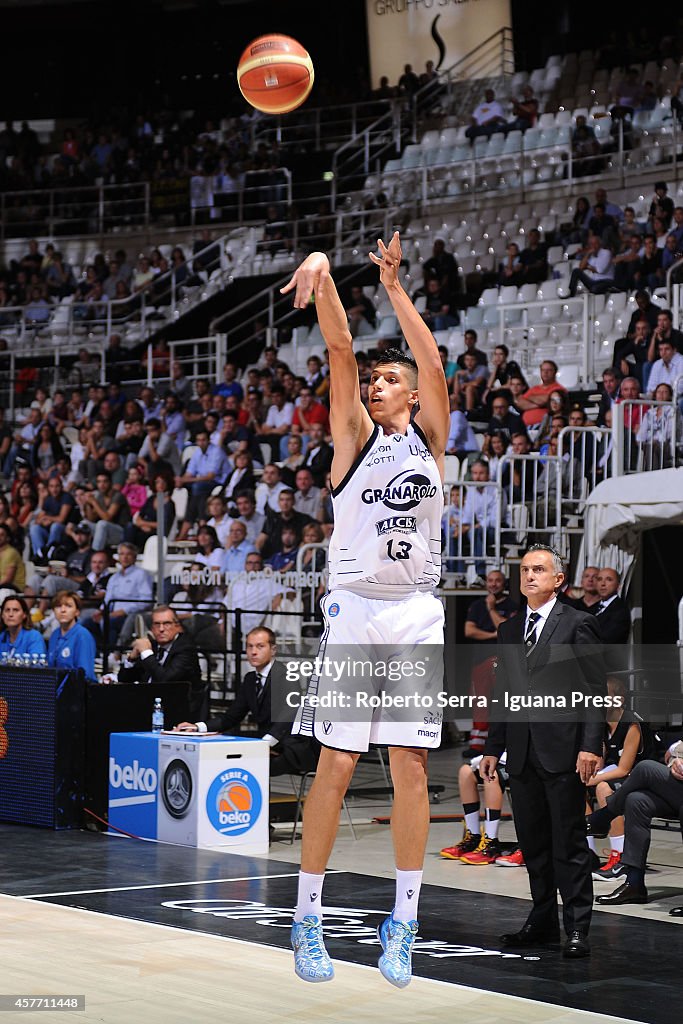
546,654
611,610
318,456
170,657
289,753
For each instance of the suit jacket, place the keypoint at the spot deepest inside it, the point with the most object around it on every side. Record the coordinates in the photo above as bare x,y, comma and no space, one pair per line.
181,665
614,622
300,751
320,463
567,658
247,702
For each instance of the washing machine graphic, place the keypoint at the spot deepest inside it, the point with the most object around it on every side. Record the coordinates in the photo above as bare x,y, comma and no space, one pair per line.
178,782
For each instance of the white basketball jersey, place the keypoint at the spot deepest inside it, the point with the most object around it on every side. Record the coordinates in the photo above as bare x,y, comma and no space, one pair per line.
387,516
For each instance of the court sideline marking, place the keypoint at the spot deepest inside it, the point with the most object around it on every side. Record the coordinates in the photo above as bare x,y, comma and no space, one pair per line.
162,885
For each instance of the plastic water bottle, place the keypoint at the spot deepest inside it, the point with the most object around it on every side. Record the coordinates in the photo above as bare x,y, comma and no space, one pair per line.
157,716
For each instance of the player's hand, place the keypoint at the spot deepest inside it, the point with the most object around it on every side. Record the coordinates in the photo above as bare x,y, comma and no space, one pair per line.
587,764
389,260
487,768
676,768
308,279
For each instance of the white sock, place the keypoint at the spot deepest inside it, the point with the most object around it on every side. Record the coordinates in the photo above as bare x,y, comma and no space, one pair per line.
491,826
309,896
472,821
591,843
407,894
616,843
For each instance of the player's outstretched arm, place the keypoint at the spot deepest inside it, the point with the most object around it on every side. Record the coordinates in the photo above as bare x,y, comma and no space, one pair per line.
434,414
350,422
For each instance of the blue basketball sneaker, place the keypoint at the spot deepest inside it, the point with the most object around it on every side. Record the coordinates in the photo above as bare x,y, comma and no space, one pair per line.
397,938
311,960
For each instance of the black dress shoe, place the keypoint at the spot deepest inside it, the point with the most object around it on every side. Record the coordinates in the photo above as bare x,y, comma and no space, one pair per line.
676,912
624,894
530,936
576,946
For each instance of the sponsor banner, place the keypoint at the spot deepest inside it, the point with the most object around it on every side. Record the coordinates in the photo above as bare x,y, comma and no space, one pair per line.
413,32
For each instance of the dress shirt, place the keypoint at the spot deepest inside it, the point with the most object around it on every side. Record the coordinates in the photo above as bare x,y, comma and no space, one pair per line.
605,604
235,557
308,504
213,460
544,611
604,268
662,373
127,584
263,674
481,507
277,418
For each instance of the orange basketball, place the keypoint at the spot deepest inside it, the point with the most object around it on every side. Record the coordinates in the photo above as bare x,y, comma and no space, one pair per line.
275,74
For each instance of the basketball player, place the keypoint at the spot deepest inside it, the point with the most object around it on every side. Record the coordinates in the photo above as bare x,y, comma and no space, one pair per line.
382,573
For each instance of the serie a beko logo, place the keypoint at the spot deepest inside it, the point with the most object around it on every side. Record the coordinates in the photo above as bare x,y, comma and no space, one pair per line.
233,802
138,781
403,493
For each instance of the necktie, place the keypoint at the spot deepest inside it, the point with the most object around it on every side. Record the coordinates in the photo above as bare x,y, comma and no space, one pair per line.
260,686
161,655
530,639
601,608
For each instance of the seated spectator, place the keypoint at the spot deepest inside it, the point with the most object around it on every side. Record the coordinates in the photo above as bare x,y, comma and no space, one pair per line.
440,312
207,467
631,356
524,110
534,259
605,226
664,331
307,495
12,568
662,206
276,232
241,478
170,657
449,367
611,609
648,272
18,639
517,478
660,426
158,451
510,270
497,447
586,151
269,541
71,645
554,420
487,118
443,266
308,412
247,514
128,593
144,523
318,457
288,754
210,552
623,749
37,309
133,490
461,437
595,270
470,340
536,400
361,314
74,571
576,230
668,369
284,559
475,848
199,609
108,509
502,369
450,531
626,262
236,549
479,515
47,529
269,488
650,790
219,520
469,383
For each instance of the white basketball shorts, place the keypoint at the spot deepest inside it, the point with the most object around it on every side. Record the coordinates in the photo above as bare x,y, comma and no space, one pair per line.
378,674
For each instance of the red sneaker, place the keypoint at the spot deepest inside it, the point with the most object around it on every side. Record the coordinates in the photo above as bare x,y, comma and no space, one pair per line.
467,844
486,853
513,860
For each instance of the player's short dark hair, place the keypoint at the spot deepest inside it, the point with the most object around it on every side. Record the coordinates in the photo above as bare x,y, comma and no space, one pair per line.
395,355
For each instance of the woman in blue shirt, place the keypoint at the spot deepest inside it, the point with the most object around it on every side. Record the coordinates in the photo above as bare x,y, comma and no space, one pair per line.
70,646
17,637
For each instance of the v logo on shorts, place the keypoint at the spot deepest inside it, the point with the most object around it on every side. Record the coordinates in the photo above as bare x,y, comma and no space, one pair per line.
327,728
410,893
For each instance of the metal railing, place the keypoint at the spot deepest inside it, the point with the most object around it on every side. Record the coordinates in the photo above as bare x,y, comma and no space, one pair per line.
532,488
582,451
472,527
74,210
646,435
